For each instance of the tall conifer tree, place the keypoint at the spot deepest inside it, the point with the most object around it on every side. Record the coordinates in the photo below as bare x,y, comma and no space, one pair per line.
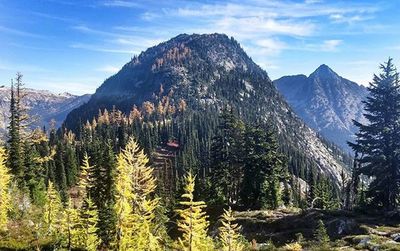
378,142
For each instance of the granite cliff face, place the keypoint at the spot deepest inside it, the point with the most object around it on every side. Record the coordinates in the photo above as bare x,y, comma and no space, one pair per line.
326,102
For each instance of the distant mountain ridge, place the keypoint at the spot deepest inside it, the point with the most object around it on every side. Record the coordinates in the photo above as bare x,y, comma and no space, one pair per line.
210,70
42,105
327,102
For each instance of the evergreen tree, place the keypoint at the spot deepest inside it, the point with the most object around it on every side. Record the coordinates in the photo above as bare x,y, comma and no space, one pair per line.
193,221
263,170
15,158
5,200
71,164
321,234
60,174
229,235
378,142
226,158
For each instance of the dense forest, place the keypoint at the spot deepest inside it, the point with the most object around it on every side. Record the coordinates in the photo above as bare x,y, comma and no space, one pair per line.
155,178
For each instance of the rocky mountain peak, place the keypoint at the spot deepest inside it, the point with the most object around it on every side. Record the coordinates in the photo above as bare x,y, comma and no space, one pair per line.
324,72
327,102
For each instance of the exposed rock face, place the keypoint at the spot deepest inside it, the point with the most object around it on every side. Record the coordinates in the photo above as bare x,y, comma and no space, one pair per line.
208,70
42,106
327,103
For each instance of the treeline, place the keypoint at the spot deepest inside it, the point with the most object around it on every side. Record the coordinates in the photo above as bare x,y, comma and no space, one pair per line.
75,182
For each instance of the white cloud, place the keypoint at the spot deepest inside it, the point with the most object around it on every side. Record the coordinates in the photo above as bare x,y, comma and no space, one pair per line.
19,32
83,85
121,3
312,1
92,47
149,16
266,47
21,67
330,45
109,69
349,19
251,26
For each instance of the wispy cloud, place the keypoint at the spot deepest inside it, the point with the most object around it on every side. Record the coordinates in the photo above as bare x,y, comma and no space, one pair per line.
54,17
149,16
331,45
19,32
92,47
109,69
121,3
349,19
250,26
267,47
21,67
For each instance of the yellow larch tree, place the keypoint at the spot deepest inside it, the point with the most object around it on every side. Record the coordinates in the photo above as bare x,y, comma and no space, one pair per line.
88,221
72,223
85,179
53,214
84,218
229,235
193,221
5,178
135,205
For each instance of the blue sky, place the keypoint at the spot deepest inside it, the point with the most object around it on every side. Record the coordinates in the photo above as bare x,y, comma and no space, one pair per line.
65,45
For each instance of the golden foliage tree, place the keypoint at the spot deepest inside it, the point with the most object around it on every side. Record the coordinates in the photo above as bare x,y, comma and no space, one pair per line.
229,233
84,219
53,214
135,206
72,223
5,178
85,179
193,223
88,222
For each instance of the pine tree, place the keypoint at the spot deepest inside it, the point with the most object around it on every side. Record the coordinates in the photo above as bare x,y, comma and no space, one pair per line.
103,190
5,200
15,158
321,234
71,165
226,163
193,221
229,235
378,142
135,207
263,169
60,174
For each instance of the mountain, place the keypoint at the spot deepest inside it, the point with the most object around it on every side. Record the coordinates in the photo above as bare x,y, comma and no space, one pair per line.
42,106
210,70
327,103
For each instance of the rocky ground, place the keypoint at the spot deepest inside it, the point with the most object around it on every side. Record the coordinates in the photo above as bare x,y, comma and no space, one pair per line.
346,230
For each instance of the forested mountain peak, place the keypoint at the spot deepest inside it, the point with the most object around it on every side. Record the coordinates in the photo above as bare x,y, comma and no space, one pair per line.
210,72
175,60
